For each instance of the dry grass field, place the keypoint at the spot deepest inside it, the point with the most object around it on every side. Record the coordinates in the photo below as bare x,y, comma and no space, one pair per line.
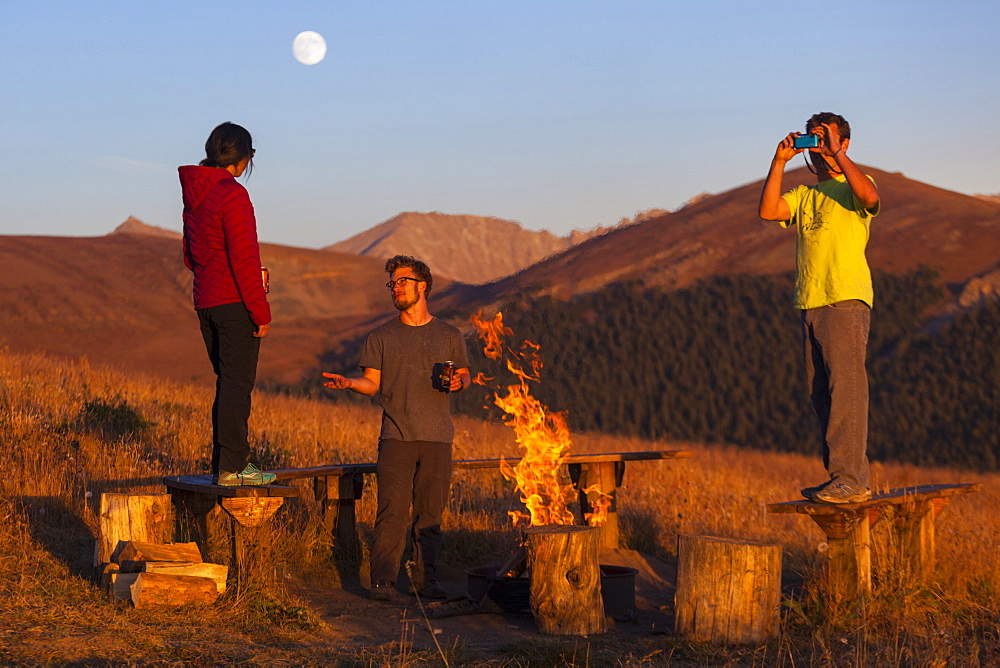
69,431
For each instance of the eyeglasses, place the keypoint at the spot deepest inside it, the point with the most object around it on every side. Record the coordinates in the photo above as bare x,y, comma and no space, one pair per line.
402,281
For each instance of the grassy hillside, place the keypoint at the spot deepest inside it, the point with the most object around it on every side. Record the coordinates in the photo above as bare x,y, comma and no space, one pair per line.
721,362
69,431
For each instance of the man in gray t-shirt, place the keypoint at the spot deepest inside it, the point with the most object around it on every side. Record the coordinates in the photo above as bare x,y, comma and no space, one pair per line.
414,407
402,361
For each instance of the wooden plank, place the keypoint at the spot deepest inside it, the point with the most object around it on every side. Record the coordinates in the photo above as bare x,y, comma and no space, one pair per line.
582,458
323,471
202,484
344,469
649,455
894,497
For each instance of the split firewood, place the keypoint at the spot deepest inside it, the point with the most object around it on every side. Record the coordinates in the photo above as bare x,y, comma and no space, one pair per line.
136,553
159,589
107,575
120,586
217,573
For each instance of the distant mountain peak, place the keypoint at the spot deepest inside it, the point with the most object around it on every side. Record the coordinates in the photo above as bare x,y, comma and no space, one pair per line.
133,225
470,249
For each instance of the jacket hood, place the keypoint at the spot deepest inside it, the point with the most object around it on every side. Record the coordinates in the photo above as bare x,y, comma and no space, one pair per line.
197,181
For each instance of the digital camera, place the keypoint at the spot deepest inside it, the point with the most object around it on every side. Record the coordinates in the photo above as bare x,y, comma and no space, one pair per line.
806,141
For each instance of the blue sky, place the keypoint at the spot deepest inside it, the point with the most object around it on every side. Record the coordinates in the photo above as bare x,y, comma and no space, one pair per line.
556,114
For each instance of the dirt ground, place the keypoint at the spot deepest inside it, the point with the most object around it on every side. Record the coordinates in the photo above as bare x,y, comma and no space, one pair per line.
354,621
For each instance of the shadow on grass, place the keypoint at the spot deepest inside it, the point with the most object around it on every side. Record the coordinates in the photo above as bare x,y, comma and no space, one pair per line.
61,532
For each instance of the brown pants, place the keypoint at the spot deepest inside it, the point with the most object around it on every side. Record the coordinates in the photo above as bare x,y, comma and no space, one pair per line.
416,473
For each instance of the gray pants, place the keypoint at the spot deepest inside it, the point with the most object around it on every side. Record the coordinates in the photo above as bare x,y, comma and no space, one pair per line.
417,473
834,340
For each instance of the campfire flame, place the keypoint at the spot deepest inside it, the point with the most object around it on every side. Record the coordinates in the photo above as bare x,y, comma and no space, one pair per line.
542,435
600,503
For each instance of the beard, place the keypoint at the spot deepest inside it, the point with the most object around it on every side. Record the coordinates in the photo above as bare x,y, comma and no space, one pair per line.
404,302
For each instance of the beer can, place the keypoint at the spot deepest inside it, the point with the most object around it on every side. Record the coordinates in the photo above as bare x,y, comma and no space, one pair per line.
265,278
447,373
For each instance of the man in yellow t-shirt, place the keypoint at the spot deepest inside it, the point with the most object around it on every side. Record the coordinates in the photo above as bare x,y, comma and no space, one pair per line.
833,289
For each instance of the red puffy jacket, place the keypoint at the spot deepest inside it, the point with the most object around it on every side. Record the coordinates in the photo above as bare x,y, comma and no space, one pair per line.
220,242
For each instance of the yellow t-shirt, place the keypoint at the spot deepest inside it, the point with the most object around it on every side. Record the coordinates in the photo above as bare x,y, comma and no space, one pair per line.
831,236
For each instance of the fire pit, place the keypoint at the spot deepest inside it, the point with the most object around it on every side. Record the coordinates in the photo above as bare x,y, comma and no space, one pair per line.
513,594
562,589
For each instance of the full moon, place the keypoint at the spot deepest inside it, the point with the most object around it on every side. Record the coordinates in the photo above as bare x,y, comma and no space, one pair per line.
309,47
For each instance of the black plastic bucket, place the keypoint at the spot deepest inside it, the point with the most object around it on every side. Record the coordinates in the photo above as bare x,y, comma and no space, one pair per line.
513,595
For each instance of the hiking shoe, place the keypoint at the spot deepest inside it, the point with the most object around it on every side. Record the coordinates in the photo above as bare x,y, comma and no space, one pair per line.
251,475
841,492
381,591
808,492
431,590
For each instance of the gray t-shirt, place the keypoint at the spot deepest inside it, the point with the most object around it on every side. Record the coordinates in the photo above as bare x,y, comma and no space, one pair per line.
413,408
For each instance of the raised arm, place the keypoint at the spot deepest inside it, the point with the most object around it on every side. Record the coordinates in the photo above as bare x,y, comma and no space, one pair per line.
864,190
772,206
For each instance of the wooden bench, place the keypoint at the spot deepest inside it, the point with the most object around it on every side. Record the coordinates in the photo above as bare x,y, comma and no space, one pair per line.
912,511
251,507
337,487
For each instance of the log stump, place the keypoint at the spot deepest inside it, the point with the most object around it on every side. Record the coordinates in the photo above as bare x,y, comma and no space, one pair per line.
565,580
126,517
728,590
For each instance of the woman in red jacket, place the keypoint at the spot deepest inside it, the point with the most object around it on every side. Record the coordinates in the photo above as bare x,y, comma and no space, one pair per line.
220,247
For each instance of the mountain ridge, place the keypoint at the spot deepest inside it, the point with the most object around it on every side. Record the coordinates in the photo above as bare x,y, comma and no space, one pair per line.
67,296
720,235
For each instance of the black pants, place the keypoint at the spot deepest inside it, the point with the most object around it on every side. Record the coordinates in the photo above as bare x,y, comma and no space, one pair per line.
228,333
417,472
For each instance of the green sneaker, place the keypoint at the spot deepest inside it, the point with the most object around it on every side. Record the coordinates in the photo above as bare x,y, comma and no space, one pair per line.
251,475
